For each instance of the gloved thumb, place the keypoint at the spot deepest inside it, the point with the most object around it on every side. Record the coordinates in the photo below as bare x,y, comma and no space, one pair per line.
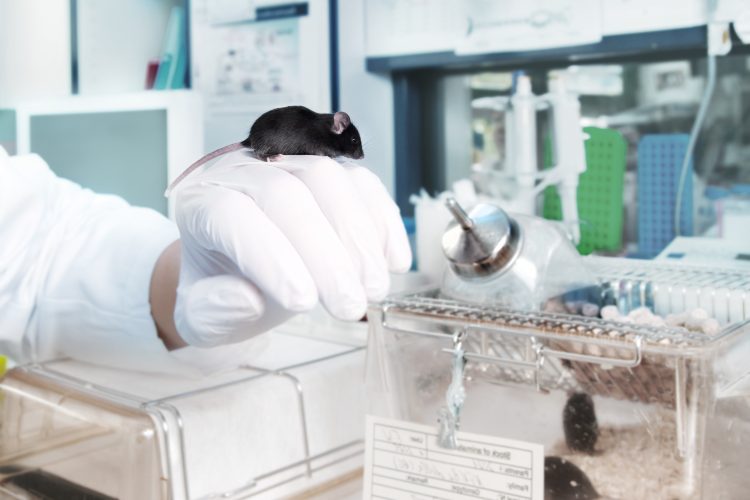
217,310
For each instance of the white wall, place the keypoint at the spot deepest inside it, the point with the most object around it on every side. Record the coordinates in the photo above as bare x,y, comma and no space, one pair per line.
367,97
34,49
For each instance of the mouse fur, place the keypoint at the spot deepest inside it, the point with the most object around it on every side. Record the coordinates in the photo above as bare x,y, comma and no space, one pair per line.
293,130
564,480
297,130
580,423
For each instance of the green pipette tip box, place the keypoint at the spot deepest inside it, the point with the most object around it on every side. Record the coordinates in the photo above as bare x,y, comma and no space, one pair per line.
600,191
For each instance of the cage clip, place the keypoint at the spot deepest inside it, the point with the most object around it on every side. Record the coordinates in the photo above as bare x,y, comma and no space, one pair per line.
449,415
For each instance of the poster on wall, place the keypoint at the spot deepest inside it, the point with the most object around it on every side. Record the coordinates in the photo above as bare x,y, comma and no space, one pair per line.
256,62
252,56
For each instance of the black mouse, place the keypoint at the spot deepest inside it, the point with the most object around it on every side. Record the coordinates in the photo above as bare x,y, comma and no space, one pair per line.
579,423
563,480
293,130
296,130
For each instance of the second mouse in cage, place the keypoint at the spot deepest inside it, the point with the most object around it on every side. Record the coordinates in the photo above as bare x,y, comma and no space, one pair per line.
579,423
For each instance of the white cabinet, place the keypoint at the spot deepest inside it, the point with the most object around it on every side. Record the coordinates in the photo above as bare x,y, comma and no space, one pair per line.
131,145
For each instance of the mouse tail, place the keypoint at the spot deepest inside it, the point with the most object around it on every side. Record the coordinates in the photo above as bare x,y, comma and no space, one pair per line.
205,159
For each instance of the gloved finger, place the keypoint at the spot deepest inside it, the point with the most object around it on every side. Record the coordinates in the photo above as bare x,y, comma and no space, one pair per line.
217,310
386,215
236,234
286,201
350,218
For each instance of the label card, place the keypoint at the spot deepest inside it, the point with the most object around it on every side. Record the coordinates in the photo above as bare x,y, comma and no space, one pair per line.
404,461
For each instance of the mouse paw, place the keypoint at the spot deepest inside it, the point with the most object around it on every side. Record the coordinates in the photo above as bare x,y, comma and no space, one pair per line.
274,158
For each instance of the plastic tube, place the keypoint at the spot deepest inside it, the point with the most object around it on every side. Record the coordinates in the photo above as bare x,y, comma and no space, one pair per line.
697,124
525,165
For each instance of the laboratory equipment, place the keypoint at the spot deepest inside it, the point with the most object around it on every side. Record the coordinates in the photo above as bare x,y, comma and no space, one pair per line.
430,217
660,159
507,260
268,429
706,251
672,404
600,193
521,167
732,209
669,83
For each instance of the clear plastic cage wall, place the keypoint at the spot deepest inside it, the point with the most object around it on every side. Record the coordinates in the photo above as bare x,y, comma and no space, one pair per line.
671,404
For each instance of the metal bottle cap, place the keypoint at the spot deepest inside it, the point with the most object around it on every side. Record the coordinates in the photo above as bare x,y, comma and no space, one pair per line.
483,242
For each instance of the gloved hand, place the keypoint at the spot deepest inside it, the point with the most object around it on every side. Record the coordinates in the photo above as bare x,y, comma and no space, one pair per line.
262,241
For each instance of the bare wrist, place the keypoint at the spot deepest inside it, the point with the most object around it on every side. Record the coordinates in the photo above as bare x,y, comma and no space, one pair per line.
163,295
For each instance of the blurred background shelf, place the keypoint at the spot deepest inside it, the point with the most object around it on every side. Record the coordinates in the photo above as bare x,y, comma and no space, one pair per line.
656,45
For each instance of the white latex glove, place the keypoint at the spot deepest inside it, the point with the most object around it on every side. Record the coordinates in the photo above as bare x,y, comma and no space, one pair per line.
262,241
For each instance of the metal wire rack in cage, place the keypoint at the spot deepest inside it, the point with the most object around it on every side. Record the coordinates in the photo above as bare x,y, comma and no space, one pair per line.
573,352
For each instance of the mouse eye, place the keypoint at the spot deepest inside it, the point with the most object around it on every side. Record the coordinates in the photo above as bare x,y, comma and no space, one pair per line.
354,140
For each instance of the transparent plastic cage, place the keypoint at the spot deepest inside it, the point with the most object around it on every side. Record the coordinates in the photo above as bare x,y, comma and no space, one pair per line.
672,406
270,429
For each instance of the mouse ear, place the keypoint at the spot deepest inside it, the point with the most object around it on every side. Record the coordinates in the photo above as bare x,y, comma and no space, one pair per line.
340,121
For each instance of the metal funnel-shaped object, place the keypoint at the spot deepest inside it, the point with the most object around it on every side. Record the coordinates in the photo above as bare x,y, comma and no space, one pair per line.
481,243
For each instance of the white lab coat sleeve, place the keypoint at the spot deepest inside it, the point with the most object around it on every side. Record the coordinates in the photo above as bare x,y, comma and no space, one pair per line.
76,272
94,304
